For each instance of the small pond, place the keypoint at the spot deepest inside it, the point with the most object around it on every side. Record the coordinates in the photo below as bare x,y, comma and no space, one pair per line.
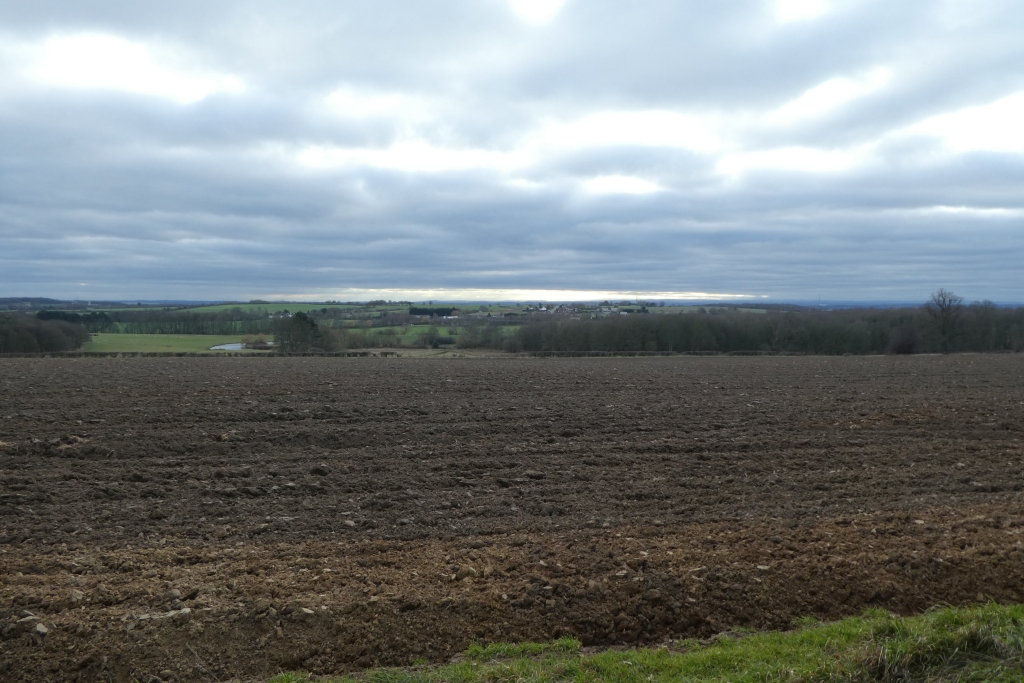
235,346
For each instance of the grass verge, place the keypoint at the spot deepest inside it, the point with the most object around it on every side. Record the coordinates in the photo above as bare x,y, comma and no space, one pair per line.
966,645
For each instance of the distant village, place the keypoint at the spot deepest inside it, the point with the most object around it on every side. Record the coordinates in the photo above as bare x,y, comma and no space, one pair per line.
430,312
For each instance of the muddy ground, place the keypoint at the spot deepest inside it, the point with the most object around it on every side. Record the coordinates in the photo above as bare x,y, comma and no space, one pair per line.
229,518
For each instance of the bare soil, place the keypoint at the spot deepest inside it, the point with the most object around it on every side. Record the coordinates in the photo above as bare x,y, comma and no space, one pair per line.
230,518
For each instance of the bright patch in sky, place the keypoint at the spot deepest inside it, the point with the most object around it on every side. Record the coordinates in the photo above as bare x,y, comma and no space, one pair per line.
793,159
536,11
799,10
354,104
655,128
620,184
973,211
106,62
994,127
830,95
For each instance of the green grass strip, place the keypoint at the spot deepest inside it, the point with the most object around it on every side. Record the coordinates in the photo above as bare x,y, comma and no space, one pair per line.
148,343
947,645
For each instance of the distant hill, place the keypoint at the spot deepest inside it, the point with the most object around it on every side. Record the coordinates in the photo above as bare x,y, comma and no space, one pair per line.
33,301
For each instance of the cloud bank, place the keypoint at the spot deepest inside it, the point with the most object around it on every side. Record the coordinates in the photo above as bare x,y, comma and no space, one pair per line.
790,149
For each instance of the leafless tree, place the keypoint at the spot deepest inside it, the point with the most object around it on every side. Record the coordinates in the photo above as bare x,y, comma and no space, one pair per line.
945,309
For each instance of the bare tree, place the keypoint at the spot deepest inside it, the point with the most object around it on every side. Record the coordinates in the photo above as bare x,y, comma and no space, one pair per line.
945,309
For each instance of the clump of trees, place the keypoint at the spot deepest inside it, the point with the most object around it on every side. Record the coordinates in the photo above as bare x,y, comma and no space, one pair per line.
300,332
483,336
434,338
21,333
944,325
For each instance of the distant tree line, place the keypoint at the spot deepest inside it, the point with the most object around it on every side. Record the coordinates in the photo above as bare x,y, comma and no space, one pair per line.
197,323
93,321
25,303
20,333
431,310
944,325
230,321
150,321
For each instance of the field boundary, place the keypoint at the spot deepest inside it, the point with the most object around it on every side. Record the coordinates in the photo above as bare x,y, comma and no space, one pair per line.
194,354
619,354
944,643
398,354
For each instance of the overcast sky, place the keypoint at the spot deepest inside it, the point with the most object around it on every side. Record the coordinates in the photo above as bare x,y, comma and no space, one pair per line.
500,149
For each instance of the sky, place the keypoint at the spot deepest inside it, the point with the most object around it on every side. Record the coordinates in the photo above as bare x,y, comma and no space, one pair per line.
778,150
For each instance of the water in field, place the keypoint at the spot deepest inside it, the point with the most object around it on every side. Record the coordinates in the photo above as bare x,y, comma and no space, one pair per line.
235,346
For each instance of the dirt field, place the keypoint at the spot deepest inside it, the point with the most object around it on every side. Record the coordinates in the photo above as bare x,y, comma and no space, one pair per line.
229,518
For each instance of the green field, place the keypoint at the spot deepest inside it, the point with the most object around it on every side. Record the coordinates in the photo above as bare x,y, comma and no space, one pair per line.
175,343
979,644
190,343
120,309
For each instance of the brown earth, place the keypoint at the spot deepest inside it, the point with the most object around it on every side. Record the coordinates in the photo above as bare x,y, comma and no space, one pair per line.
219,518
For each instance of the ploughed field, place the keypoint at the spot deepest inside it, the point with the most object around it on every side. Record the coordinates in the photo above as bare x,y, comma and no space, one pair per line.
216,518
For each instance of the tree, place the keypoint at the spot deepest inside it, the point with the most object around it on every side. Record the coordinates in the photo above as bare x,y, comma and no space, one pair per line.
945,309
297,333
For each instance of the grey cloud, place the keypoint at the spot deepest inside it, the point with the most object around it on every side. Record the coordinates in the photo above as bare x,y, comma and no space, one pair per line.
139,197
